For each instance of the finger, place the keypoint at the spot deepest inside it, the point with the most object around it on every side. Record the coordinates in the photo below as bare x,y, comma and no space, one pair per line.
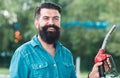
106,66
98,64
95,67
108,61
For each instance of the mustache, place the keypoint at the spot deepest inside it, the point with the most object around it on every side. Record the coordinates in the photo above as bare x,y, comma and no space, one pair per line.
53,26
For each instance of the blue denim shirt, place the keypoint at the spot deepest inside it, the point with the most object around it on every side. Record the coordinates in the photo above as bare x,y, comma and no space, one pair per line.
31,60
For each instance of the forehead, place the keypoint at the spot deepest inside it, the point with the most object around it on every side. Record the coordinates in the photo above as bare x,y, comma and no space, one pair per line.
49,12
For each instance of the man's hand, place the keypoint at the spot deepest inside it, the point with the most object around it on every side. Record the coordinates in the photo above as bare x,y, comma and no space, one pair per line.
95,72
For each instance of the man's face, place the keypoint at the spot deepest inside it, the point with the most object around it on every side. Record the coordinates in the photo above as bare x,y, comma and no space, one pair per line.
49,17
49,25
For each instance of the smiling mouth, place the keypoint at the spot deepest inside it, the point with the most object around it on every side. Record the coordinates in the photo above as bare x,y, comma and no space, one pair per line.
51,29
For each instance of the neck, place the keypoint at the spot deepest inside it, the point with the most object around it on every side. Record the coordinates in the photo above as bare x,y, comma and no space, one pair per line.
49,47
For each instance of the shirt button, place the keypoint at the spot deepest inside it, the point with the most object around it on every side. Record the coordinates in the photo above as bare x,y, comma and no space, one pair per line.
54,65
40,66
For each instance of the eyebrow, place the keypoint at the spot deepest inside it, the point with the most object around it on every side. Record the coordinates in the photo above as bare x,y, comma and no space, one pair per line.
53,16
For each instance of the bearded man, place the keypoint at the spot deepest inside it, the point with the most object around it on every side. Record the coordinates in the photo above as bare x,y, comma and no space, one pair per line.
44,56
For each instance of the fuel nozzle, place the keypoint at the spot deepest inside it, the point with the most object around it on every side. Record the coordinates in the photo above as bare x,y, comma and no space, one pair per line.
113,71
102,57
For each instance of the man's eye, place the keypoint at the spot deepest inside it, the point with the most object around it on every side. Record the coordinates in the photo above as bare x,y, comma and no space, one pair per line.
56,18
45,18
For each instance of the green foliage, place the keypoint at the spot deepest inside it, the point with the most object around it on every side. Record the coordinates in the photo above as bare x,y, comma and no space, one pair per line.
103,10
113,45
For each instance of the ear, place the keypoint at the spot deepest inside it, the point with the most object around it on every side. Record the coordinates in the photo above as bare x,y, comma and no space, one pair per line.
36,23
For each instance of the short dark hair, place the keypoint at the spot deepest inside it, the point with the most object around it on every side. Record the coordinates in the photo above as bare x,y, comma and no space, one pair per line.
48,5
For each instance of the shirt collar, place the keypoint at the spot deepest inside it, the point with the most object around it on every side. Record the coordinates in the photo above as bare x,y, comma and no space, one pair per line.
35,42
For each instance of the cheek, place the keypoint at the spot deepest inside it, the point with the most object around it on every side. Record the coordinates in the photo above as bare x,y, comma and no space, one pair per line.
39,28
42,23
57,24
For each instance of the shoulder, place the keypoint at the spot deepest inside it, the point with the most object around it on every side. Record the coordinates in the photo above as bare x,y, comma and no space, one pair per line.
24,49
66,52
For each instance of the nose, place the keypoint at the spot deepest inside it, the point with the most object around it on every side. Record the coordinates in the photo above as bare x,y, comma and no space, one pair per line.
51,22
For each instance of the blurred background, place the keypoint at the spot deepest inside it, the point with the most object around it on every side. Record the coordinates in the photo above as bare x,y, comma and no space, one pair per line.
84,25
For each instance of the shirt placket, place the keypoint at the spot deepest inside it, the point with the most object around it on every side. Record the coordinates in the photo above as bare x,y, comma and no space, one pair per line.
54,66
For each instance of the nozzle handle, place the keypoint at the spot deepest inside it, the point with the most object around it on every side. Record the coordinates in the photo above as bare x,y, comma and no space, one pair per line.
102,71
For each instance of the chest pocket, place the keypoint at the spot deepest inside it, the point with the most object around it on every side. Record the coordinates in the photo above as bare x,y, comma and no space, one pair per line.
67,69
40,70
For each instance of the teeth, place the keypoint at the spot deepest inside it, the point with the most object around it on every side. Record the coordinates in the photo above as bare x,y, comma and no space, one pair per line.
51,29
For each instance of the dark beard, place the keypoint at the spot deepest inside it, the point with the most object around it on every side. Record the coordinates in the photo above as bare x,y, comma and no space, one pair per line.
48,36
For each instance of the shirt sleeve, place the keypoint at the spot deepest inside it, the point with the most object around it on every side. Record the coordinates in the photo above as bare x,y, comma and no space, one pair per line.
18,67
73,73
